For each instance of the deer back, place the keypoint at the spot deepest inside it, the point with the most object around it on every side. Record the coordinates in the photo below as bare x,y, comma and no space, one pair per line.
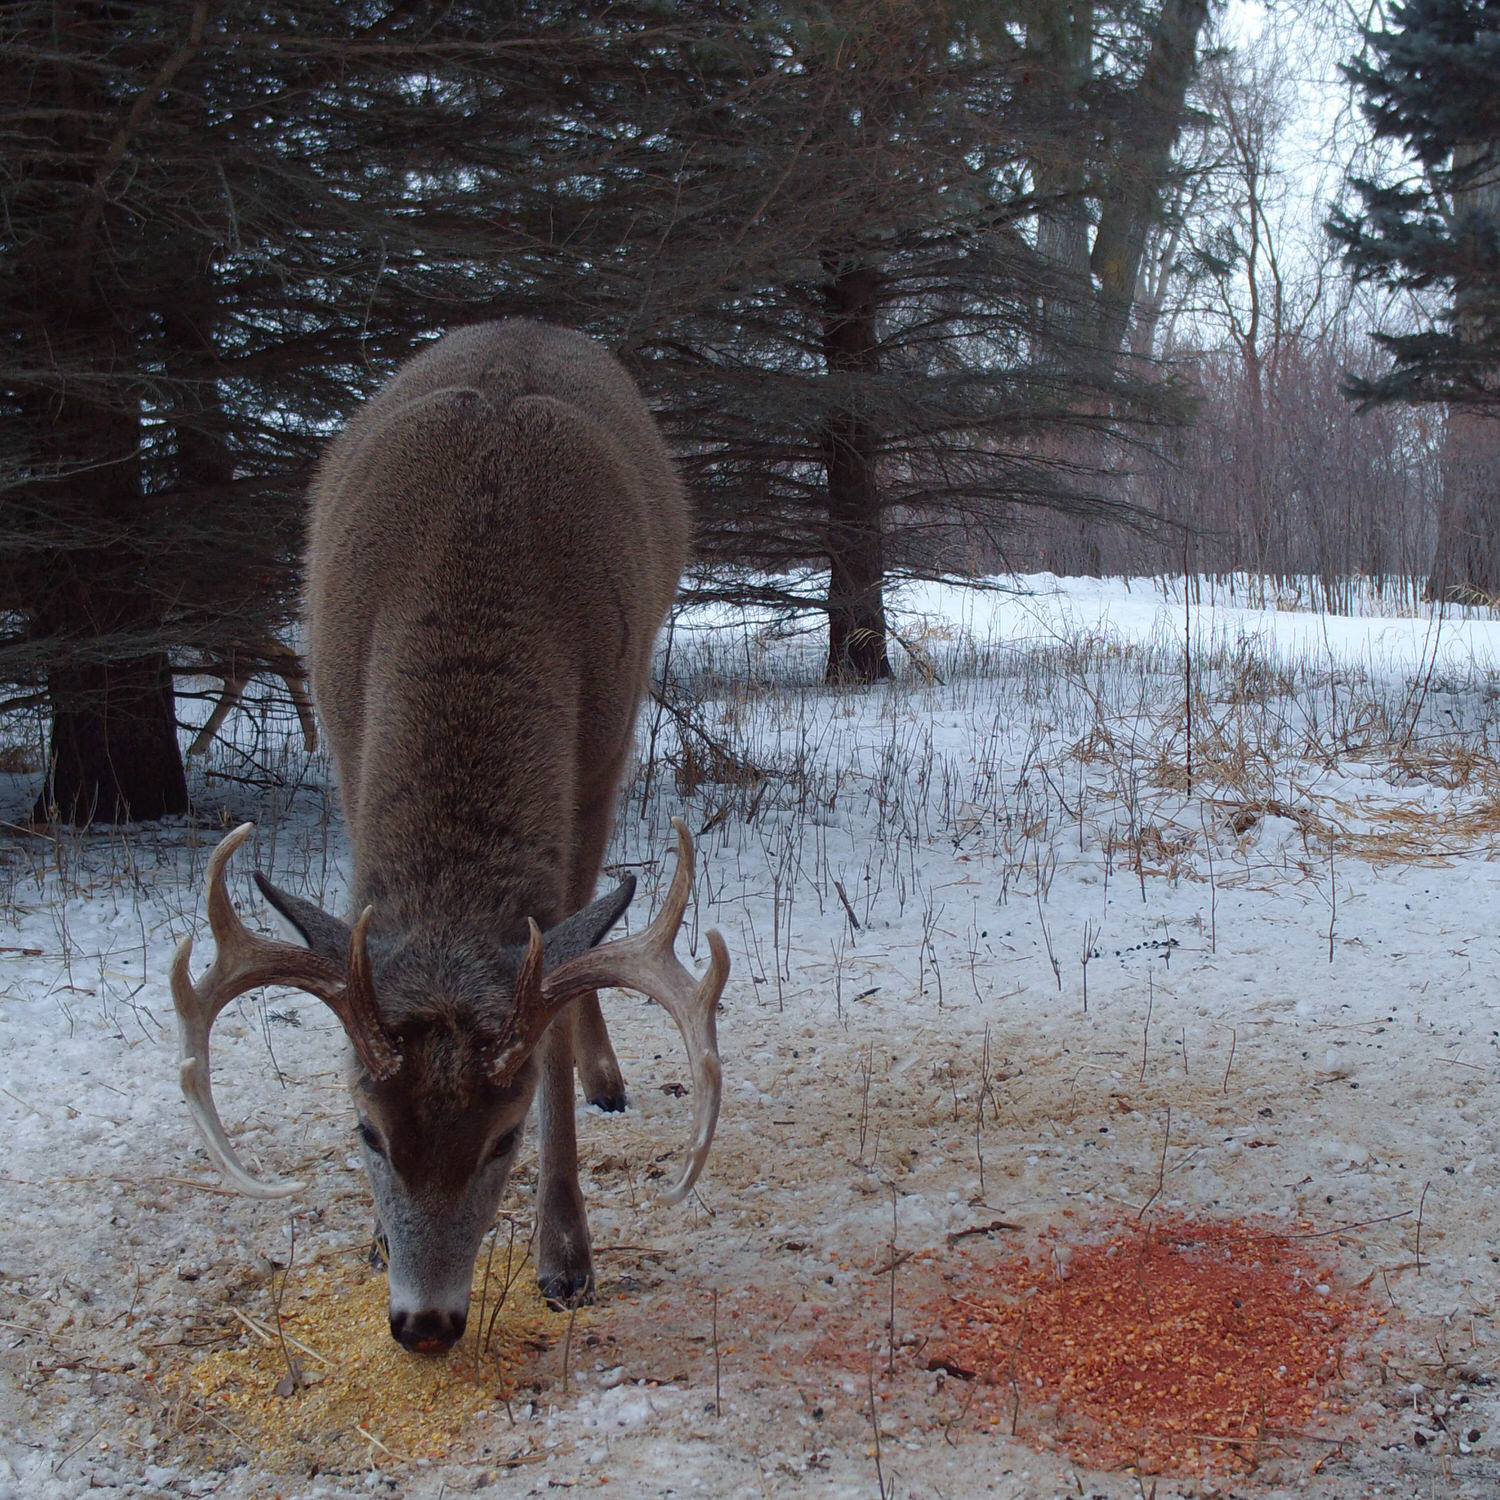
494,541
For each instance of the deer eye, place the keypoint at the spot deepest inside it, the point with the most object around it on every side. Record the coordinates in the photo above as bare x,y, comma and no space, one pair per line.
506,1144
367,1135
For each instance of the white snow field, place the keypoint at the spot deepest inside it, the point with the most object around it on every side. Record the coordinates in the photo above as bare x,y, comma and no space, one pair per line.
1289,943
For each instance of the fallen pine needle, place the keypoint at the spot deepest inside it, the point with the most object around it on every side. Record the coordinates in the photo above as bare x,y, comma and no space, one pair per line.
266,1336
390,1452
202,1187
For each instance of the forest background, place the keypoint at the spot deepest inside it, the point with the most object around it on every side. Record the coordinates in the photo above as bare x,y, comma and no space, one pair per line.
931,290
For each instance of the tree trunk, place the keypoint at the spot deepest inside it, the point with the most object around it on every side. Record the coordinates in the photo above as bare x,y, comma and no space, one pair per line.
114,754
1466,556
856,532
1060,44
1133,197
856,602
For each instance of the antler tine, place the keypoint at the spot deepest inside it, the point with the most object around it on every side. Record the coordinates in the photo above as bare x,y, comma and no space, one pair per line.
648,962
698,1023
530,1013
355,1007
243,961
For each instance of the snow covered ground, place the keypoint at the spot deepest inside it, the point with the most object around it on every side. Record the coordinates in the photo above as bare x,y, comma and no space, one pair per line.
1282,906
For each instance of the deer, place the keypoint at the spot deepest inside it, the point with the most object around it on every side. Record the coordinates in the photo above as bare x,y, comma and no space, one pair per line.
493,542
235,667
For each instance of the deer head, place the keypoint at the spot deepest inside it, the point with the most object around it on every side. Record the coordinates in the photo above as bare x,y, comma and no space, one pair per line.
442,1027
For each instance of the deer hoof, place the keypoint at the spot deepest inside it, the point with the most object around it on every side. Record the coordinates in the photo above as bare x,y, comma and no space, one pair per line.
567,1290
611,1104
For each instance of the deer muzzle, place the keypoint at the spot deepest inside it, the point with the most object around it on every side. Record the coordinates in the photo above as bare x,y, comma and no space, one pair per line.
432,1331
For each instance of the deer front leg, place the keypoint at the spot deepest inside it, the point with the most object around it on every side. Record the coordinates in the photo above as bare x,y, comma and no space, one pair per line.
598,1068
564,1261
234,688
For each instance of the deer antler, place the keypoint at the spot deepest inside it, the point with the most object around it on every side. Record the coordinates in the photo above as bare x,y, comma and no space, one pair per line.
245,961
648,962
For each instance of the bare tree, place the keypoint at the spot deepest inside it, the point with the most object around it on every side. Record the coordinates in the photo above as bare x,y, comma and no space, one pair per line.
1242,305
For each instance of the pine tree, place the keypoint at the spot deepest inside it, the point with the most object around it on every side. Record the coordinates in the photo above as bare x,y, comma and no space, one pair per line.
224,224
807,228
912,363
1431,83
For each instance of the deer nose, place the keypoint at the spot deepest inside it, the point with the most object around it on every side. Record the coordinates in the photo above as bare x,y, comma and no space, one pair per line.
431,1332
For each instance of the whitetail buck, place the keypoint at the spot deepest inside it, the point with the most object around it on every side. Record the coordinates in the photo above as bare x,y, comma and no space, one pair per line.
494,541
234,668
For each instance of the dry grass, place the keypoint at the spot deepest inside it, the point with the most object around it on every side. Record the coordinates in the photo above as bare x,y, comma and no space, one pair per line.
1410,833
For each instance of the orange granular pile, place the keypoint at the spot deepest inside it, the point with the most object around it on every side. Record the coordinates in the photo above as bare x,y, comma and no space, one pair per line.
1165,1347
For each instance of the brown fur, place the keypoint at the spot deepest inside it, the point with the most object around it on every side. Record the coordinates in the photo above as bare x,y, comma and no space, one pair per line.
495,539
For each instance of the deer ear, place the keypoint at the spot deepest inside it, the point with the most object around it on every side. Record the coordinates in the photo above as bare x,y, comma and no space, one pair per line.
580,932
324,935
